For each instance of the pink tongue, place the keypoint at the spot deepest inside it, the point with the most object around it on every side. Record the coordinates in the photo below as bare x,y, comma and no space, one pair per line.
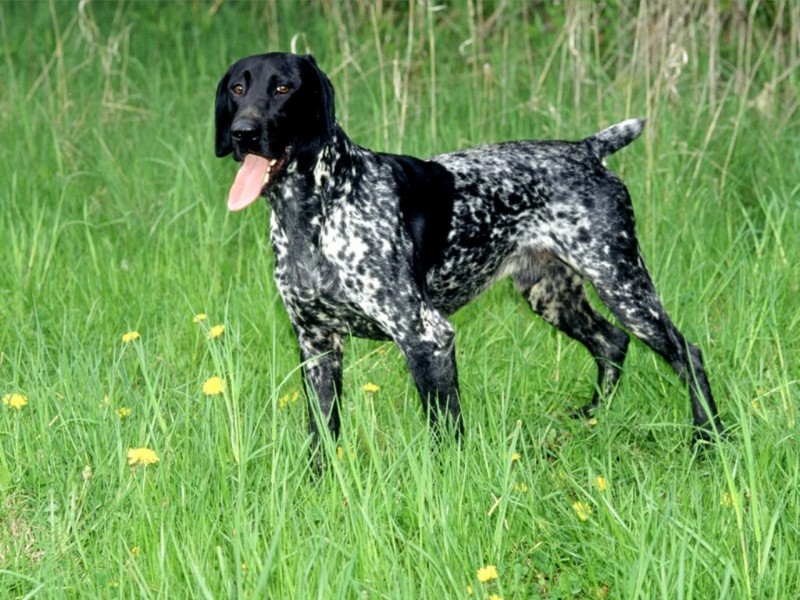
249,181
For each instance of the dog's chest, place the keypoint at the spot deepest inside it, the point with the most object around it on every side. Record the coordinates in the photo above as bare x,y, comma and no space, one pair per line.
323,271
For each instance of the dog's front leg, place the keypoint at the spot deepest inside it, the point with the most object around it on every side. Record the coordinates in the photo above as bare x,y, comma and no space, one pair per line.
429,349
321,356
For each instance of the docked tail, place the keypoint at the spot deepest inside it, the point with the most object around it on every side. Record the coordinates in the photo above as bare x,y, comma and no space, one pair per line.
613,138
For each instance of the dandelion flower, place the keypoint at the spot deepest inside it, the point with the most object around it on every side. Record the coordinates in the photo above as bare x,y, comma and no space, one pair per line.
15,400
213,386
469,590
199,317
339,452
288,399
582,510
601,483
487,573
129,337
495,597
216,331
135,550
516,457
370,388
141,456
124,412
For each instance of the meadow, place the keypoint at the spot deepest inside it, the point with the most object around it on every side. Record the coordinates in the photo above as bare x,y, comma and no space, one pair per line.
148,452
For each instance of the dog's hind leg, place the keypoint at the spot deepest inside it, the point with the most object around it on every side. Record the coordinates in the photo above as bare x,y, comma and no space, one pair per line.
560,299
625,286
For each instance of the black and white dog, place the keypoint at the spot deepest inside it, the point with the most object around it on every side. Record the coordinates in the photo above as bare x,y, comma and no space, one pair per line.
385,246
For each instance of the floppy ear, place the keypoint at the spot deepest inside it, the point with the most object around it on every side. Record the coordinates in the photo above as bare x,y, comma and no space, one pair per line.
223,117
326,114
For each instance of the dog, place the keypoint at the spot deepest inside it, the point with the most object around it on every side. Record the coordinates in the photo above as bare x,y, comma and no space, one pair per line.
386,246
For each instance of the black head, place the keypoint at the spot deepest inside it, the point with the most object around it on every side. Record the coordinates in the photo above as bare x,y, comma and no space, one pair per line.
278,106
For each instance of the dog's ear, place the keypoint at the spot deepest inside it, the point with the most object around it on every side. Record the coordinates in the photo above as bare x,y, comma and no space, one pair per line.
326,114
223,118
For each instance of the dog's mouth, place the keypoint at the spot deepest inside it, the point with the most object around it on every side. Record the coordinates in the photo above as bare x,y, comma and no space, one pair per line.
254,178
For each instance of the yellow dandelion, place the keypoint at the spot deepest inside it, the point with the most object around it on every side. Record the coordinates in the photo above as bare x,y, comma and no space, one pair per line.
130,336
216,331
582,510
370,388
339,452
288,399
244,566
199,317
124,412
469,590
15,400
141,456
601,483
516,457
213,386
495,597
135,550
487,573
593,421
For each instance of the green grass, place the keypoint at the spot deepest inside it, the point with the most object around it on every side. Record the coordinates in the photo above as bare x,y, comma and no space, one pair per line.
112,218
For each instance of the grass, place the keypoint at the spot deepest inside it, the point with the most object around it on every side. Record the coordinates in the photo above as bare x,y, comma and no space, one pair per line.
113,219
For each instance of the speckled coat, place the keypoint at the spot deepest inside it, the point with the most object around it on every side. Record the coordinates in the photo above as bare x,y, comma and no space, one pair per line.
387,246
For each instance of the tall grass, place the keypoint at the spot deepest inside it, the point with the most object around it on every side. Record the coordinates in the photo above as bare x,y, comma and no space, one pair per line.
112,219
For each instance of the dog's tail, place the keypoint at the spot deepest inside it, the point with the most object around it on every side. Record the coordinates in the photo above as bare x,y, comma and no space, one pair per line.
613,138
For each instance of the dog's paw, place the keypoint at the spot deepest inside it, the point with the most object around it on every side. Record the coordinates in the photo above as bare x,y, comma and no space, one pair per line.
708,433
585,412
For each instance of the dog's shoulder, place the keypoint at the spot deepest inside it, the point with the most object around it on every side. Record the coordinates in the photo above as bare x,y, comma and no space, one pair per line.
426,193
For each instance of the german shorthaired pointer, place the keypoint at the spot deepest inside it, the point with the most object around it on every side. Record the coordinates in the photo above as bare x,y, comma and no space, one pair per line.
385,246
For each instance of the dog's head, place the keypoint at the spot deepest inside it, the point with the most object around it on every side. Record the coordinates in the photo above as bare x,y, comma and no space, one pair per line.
271,109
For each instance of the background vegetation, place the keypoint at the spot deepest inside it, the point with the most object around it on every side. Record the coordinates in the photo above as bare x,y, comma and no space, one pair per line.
113,219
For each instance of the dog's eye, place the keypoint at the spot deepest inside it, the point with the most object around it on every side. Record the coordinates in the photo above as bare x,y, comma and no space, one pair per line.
238,89
282,89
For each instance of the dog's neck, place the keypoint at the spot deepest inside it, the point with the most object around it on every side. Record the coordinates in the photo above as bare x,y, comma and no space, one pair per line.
335,163
311,186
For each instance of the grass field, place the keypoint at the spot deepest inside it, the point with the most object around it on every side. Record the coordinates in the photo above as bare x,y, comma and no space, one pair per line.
113,220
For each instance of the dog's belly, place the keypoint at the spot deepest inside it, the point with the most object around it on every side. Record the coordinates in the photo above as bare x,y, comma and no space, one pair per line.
485,233
464,273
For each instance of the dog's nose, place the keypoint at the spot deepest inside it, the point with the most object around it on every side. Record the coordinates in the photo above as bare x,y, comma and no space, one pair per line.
244,131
